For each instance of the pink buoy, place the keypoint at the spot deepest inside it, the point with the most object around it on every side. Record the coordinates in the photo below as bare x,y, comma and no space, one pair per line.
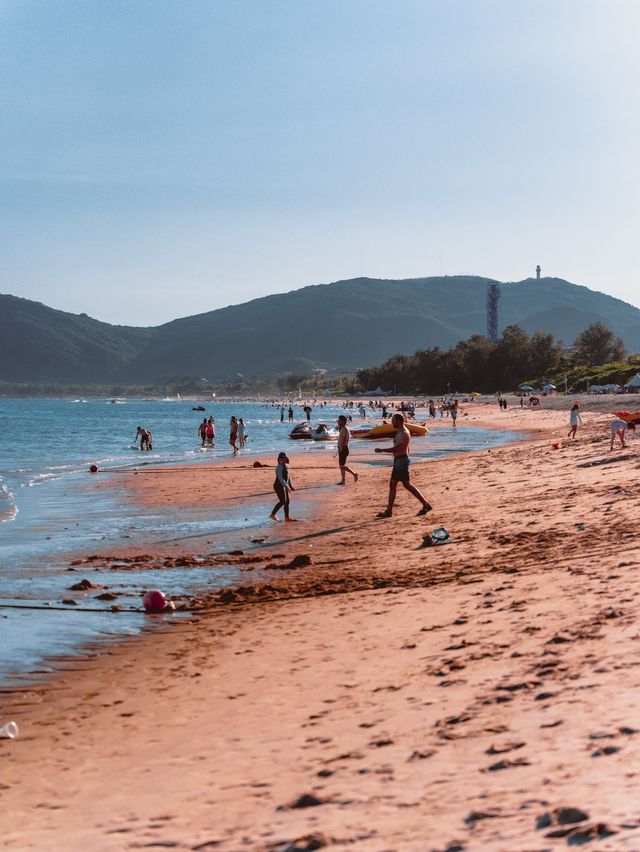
154,601
94,468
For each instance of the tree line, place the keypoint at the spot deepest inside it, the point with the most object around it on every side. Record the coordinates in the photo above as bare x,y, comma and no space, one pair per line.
484,365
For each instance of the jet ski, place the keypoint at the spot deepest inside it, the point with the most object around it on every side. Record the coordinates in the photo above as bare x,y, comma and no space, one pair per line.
301,432
323,433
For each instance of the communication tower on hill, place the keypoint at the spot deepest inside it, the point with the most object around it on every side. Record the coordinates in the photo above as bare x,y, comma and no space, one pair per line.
538,271
493,299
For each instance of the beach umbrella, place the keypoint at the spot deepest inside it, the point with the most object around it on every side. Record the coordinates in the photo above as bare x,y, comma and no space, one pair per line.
474,393
525,387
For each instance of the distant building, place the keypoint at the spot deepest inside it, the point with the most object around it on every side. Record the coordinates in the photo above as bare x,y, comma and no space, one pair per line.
538,271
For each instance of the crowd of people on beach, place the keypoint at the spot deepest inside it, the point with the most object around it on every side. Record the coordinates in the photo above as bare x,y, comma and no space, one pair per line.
400,472
399,449
237,433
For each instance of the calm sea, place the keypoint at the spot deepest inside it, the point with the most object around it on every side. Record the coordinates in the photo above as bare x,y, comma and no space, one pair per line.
51,509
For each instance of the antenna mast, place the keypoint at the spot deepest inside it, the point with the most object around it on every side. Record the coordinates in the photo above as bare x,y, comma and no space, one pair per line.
493,299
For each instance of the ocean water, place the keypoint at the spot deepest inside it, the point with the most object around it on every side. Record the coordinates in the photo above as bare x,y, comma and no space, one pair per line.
51,511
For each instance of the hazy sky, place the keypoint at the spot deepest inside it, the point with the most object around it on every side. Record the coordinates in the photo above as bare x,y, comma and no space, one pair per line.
160,158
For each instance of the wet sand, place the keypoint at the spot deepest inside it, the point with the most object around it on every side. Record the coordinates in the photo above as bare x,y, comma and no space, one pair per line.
383,696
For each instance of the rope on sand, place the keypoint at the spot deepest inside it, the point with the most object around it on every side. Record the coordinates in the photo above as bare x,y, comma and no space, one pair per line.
68,608
192,468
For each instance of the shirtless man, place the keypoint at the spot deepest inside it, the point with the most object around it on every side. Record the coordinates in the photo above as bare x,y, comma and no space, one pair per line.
343,450
400,472
202,431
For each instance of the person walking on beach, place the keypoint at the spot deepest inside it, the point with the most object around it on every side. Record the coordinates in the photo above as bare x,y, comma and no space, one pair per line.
343,450
233,434
145,438
242,433
400,472
574,420
282,486
454,412
619,427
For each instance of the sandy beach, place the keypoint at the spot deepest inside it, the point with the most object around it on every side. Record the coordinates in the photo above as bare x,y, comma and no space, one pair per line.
360,691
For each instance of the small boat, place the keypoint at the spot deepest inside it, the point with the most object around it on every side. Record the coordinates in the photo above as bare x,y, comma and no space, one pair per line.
198,408
630,417
386,430
301,432
323,433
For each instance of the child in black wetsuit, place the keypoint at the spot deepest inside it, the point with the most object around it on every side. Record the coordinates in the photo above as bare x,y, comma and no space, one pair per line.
282,486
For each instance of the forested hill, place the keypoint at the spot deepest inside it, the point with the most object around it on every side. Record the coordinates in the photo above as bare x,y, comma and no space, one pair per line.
347,324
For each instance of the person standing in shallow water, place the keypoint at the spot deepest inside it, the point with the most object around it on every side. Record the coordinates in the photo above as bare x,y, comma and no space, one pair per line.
202,431
400,472
145,438
574,420
242,433
211,431
233,434
282,486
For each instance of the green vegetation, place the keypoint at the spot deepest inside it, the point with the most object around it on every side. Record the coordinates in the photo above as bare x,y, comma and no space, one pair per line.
579,378
284,387
478,364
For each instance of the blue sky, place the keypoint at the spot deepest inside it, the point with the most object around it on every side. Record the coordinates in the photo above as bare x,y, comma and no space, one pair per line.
162,158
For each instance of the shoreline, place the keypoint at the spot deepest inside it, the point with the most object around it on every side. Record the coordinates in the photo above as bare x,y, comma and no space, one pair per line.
334,688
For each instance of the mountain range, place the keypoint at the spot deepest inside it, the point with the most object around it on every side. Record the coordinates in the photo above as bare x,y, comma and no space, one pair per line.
340,326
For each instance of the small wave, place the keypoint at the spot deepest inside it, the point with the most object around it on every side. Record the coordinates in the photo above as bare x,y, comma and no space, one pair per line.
8,507
40,479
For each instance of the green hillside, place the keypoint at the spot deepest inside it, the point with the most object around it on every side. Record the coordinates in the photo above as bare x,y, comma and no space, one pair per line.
345,325
38,343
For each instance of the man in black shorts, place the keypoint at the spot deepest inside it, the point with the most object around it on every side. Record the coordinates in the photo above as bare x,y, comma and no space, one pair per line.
400,472
343,450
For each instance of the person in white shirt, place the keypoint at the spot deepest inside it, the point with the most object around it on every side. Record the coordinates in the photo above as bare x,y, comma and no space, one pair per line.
619,427
574,420
242,433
